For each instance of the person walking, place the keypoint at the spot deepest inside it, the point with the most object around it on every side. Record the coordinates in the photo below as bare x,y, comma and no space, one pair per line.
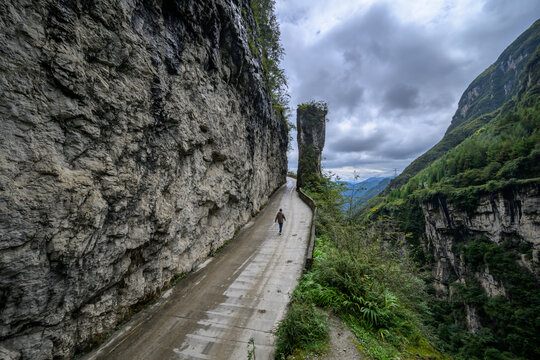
280,218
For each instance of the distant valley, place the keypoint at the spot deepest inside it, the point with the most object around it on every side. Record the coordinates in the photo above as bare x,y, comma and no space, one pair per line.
360,192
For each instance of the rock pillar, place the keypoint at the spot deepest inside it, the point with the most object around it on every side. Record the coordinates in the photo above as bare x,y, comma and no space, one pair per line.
310,122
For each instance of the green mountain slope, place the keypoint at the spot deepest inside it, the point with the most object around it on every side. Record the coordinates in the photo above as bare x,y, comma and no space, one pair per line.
501,156
361,192
506,149
449,260
479,103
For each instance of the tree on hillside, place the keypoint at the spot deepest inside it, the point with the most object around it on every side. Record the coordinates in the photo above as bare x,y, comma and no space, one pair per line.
272,51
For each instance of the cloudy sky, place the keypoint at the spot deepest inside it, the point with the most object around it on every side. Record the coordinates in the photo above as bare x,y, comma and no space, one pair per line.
392,71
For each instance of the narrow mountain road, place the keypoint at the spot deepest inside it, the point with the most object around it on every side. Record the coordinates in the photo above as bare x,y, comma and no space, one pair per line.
240,294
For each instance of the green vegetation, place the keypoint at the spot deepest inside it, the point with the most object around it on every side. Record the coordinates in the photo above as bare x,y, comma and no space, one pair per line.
304,330
487,93
364,275
367,264
307,167
251,349
449,141
271,50
313,111
177,278
513,320
314,106
313,117
215,252
496,84
504,151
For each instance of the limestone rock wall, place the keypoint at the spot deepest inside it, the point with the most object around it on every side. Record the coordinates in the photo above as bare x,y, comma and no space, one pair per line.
136,137
512,214
311,134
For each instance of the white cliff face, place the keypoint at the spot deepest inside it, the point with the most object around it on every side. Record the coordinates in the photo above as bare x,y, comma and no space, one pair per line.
472,319
491,286
135,139
511,214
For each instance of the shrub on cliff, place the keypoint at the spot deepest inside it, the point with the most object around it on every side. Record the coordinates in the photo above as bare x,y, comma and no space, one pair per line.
304,329
272,51
514,326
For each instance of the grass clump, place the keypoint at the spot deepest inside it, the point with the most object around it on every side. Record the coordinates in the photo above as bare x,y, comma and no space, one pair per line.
304,330
376,292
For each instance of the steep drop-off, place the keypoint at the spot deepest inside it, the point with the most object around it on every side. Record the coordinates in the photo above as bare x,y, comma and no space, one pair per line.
510,215
136,138
486,272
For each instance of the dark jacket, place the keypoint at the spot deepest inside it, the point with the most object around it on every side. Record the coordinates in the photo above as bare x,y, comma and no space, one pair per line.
280,217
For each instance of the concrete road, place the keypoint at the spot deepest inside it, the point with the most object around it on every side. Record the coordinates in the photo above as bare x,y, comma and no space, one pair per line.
240,294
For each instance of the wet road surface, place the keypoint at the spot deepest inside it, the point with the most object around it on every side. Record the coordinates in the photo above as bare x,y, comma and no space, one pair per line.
240,294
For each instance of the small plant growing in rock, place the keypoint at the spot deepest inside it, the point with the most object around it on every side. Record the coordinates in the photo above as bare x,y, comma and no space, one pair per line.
251,349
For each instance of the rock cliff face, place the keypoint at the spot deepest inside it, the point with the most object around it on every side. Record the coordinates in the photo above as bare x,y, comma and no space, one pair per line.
500,82
511,215
311,127
136,137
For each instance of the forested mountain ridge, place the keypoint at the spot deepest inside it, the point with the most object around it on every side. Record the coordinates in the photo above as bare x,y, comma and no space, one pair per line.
506,150
359,193
480,101
474,213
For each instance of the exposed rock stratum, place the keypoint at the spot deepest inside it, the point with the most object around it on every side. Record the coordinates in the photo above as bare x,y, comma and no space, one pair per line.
511,214
136,138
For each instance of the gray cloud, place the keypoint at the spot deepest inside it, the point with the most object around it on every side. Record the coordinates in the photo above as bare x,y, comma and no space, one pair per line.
401,96
381,47
400,151
392,85
349,143
359,162
373,53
